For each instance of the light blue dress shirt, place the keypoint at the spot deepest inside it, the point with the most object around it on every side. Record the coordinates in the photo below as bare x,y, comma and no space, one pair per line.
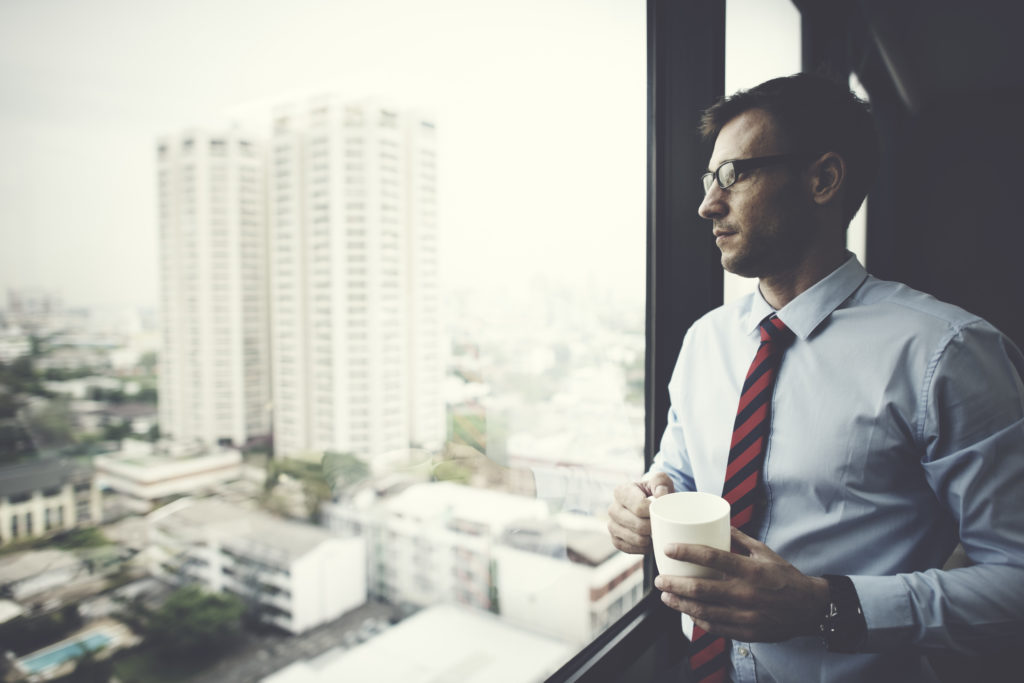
897,428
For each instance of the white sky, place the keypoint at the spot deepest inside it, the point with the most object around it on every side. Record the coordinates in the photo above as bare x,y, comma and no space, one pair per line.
541,106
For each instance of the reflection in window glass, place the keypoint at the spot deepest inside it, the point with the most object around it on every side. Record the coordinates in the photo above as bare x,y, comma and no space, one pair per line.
333,348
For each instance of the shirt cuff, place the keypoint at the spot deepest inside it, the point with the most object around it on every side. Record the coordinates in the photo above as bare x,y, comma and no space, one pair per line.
887,612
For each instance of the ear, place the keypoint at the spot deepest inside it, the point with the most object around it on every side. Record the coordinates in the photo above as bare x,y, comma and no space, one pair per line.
827,176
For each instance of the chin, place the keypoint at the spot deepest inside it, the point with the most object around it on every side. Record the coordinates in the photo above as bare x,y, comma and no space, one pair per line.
737,267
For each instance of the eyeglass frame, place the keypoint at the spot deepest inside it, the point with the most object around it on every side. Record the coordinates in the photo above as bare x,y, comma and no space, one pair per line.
744,165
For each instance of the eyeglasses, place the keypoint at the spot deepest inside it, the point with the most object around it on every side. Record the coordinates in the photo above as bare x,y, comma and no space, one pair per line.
728,171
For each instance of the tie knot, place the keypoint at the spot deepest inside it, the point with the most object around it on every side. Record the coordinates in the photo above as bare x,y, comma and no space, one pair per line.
774,331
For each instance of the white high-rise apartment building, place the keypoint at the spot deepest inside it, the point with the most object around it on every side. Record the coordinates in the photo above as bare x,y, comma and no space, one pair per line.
355,319
214,358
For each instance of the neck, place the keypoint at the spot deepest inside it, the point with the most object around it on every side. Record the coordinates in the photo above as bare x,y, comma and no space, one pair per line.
781,288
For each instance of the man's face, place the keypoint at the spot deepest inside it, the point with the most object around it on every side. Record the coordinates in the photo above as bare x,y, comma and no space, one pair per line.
761,222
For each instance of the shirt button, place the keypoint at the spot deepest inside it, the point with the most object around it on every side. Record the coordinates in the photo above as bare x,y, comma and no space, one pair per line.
743,652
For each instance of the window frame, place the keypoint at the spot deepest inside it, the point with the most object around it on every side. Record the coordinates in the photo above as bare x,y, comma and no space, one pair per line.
685,74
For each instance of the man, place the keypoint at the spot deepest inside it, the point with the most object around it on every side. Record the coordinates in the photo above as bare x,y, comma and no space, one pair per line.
893,426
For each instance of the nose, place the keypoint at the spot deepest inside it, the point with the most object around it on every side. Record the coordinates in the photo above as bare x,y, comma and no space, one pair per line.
714,204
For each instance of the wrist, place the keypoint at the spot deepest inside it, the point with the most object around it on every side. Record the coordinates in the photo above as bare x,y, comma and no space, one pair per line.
818,601
843,627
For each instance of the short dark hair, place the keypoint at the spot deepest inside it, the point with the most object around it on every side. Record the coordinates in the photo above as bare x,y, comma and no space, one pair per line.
815,115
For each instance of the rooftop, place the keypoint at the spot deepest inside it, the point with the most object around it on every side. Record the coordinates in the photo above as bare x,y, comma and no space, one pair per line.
243,529
26,564
25,477
440,643
493,509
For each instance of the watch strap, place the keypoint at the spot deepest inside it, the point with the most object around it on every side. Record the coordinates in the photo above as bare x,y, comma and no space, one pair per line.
843,627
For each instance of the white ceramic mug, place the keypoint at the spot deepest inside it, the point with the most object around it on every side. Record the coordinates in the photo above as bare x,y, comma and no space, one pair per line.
688,517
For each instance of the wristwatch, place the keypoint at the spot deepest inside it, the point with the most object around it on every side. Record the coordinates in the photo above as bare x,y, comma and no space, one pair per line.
843,627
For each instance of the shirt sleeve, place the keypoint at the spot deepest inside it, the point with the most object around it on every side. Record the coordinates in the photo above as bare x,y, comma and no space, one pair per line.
971,430
671,458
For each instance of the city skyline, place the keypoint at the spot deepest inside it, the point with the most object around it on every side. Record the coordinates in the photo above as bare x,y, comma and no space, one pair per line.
89,87
535,145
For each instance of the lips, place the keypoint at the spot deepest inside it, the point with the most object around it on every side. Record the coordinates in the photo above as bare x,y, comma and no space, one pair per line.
722,235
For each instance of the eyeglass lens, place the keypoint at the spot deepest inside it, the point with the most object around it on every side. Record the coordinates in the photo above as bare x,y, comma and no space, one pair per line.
726,176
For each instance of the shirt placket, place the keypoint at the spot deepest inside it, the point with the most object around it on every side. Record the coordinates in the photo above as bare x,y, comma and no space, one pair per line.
743,663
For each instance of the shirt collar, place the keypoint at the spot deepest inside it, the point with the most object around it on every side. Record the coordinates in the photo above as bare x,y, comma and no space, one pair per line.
804,313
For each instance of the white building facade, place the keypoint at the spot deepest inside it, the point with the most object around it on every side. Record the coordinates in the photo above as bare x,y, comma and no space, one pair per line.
143,475
294,576
441,542
44,497
356,331
573,601
214,354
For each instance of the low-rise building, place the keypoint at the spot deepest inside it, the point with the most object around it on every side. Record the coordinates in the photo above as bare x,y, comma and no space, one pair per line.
440,643
565,579
30,573
432,542
143,475
446,543
13,345
294,576
43,497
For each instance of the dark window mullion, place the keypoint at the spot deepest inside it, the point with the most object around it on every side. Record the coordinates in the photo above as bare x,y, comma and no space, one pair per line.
686,73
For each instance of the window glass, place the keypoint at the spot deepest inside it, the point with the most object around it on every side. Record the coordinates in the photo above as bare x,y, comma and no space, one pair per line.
323,324
762,41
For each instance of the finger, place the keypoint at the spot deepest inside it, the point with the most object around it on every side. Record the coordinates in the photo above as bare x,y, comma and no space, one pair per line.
749,545
720,616
633,497
730,593
630,543
627,520
628,540
706,556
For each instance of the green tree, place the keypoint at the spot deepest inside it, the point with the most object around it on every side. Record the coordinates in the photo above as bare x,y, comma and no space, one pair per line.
14,442
19,377
194,623
146,394
148,362
118,431
53,425
27,633
86,537
89,668
343,470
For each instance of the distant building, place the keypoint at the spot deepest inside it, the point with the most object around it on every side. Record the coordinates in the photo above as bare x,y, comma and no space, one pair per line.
442,542
142,475
567,582
356,326
433,542
43,497
13,345
441,643
27,574
34,309
214,354
294,576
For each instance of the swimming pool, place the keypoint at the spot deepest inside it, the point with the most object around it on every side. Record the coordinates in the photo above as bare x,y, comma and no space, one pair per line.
56,655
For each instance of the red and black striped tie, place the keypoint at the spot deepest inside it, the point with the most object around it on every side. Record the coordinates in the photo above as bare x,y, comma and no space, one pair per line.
709,658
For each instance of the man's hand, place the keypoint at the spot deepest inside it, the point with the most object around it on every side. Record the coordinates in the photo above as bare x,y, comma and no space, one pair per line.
760,597
629,517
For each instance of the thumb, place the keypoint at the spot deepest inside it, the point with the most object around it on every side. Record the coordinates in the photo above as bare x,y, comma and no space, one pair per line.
660,484
743,544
